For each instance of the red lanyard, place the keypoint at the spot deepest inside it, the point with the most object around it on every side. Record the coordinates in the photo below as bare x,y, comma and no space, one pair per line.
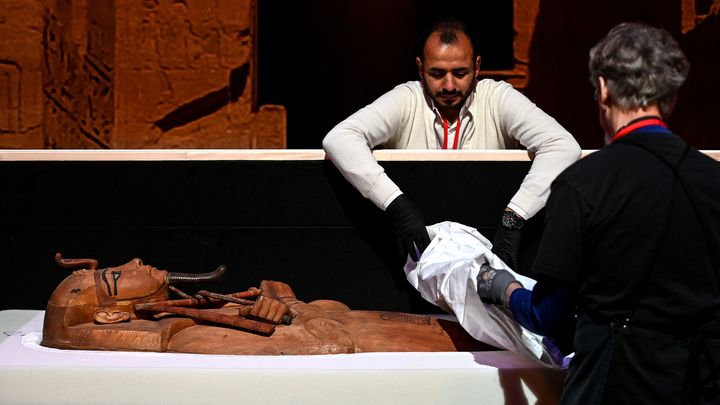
457,134
642,122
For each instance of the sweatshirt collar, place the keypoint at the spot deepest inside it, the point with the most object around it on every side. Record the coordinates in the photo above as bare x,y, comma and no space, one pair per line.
464,110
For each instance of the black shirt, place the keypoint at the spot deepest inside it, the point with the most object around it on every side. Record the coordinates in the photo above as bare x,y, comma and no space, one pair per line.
619,212
635,242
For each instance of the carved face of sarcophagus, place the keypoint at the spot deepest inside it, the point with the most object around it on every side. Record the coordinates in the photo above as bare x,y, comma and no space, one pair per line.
84,305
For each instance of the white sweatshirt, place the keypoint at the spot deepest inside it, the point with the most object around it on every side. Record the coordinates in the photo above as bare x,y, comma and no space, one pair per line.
494,116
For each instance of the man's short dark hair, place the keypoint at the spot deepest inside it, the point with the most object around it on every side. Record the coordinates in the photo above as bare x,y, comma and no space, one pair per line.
448,29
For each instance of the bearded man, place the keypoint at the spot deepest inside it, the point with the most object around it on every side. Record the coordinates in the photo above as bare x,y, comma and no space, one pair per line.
449,108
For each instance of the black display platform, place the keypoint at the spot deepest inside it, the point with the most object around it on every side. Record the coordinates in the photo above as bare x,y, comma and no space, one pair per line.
295,221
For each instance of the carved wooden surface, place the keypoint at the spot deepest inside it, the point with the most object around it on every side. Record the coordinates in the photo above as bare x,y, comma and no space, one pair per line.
127,308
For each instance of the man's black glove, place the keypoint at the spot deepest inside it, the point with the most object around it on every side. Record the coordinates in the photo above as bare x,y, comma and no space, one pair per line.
492,284
507,238
409,226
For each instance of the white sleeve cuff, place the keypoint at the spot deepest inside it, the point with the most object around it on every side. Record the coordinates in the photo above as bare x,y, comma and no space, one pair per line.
390,199
526,204
383,191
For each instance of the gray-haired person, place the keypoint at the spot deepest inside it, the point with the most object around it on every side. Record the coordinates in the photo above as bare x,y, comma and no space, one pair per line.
631,243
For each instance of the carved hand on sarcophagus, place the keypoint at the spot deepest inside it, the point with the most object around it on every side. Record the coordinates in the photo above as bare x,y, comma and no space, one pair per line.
128,308
268,309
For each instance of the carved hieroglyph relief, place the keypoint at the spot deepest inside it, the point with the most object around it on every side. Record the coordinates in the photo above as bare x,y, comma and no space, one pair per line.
155,74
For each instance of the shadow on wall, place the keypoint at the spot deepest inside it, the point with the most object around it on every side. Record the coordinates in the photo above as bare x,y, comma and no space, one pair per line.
209,103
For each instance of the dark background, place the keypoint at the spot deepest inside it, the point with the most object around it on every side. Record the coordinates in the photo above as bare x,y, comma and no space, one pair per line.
298,222
323,59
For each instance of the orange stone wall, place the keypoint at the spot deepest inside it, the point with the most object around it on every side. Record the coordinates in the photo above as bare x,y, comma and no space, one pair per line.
135,74
21,117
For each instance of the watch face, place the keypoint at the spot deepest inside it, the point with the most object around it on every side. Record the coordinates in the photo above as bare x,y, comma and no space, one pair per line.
511,220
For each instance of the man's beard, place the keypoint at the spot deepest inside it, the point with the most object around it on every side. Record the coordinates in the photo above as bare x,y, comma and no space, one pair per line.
442,103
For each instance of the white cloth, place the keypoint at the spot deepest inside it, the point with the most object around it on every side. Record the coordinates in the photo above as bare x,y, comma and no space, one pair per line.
446,275
495,116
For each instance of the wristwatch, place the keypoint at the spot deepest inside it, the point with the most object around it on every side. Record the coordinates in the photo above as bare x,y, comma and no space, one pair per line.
511,220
